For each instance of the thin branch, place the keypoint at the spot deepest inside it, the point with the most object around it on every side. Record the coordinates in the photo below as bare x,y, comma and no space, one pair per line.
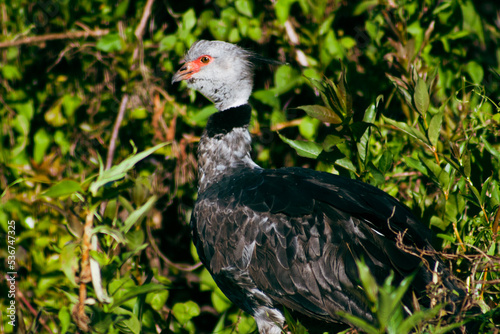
182,267
53,37
116,129
21,296
78,313
494,228
139,31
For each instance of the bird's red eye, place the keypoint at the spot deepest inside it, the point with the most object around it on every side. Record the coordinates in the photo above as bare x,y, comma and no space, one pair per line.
205,59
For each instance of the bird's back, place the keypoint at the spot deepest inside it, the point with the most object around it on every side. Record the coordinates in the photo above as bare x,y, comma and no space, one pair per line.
292,237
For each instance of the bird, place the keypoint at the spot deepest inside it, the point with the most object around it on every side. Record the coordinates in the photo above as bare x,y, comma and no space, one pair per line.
289,238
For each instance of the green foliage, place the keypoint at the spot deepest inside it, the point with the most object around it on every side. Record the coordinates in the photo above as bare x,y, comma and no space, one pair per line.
386,304
403,95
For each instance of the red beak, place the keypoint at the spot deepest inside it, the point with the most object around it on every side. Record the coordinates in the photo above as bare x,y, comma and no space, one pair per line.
184,72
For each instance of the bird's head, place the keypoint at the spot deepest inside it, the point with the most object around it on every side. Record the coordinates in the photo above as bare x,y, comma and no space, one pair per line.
222,72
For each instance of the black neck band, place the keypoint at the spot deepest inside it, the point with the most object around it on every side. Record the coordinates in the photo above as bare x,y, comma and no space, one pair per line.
224,121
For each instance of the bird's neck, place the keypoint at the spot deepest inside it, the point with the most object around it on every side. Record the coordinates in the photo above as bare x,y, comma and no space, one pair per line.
225,145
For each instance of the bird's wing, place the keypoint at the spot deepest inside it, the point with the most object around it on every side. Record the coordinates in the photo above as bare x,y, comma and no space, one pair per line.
299,233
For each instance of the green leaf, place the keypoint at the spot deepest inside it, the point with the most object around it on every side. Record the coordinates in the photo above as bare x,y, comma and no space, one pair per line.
268,97
220,302
54,116
114,233
435,128
324,114
135,291
466,163
416,133
377,175
359,323
421,97
347,42
493,151
472,20
416,164
286,78
42,142
304,148
326,25
361,132
347,164
120,171
308,127
441,177
109,43
121,9
368,281
254,30
184,312
10,72
127,321
385,161
475,71
69,262
485,188
245,7
64,317
331,142
157,300
438,222
189,19
418,317
70,103
167,43
62,141
137,215
63,188
221,324
282,9
371,111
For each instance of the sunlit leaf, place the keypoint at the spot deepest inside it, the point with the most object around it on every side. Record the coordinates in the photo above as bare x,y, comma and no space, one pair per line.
119,171
138,214
42,143
304,148
158,299
135,291
245,7
110,43
184,312
63,188
308,127
64,317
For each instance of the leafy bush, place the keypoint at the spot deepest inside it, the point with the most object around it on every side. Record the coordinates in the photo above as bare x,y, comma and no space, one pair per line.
97,148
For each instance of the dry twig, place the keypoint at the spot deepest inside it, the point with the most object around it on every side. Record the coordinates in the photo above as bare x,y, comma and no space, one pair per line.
53,37
182,267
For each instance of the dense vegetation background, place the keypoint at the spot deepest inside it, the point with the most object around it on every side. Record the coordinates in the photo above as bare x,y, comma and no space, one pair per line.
85,96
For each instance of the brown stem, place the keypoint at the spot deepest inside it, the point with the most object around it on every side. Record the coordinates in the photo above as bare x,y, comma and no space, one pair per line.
116,129
79,316
32,310
182,267
53,37
139,31
458,235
